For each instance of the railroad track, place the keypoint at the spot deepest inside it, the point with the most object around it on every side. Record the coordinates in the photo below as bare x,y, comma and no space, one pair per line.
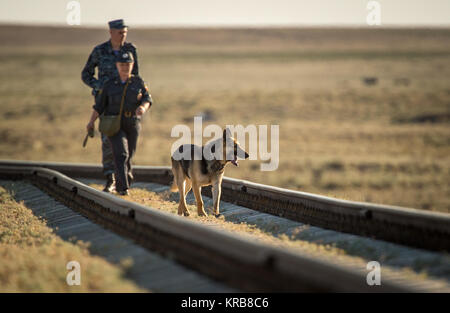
406,226
228,258
147,269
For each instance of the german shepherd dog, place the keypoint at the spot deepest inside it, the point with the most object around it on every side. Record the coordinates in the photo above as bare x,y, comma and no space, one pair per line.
195,172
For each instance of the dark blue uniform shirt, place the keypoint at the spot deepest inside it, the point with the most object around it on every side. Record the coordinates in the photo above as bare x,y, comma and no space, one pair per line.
104,58
109,98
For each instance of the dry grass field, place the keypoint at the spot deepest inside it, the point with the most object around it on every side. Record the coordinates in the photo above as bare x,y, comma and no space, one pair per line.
339,136
33,257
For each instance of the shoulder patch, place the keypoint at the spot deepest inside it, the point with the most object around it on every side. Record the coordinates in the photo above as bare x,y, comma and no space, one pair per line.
144,84
129,44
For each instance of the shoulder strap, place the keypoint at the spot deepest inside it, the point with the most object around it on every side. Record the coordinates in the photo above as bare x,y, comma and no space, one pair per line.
123,97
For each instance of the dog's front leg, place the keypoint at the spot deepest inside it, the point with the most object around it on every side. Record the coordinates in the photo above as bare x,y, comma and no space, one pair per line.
216,191
198,197
182,207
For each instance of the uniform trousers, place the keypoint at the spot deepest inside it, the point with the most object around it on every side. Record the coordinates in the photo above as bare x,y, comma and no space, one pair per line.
123,146
107,156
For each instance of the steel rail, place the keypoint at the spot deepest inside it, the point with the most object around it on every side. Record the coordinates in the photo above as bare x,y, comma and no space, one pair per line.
407,226
234,260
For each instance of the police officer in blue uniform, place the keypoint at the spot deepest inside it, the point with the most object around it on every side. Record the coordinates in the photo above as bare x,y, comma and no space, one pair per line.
136,101
104,58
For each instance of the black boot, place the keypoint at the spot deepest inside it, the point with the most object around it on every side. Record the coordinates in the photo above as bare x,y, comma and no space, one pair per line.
110,183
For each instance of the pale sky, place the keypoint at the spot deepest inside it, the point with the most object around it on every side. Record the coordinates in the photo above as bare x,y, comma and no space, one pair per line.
141,13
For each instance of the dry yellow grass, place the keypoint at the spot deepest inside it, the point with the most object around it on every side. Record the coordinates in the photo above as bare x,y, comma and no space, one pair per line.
33,258
165,202
355,255
338,136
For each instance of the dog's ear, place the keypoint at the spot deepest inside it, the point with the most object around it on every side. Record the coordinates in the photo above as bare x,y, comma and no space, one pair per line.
226,133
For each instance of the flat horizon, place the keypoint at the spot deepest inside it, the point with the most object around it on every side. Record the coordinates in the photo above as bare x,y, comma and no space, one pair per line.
225,26
229,14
